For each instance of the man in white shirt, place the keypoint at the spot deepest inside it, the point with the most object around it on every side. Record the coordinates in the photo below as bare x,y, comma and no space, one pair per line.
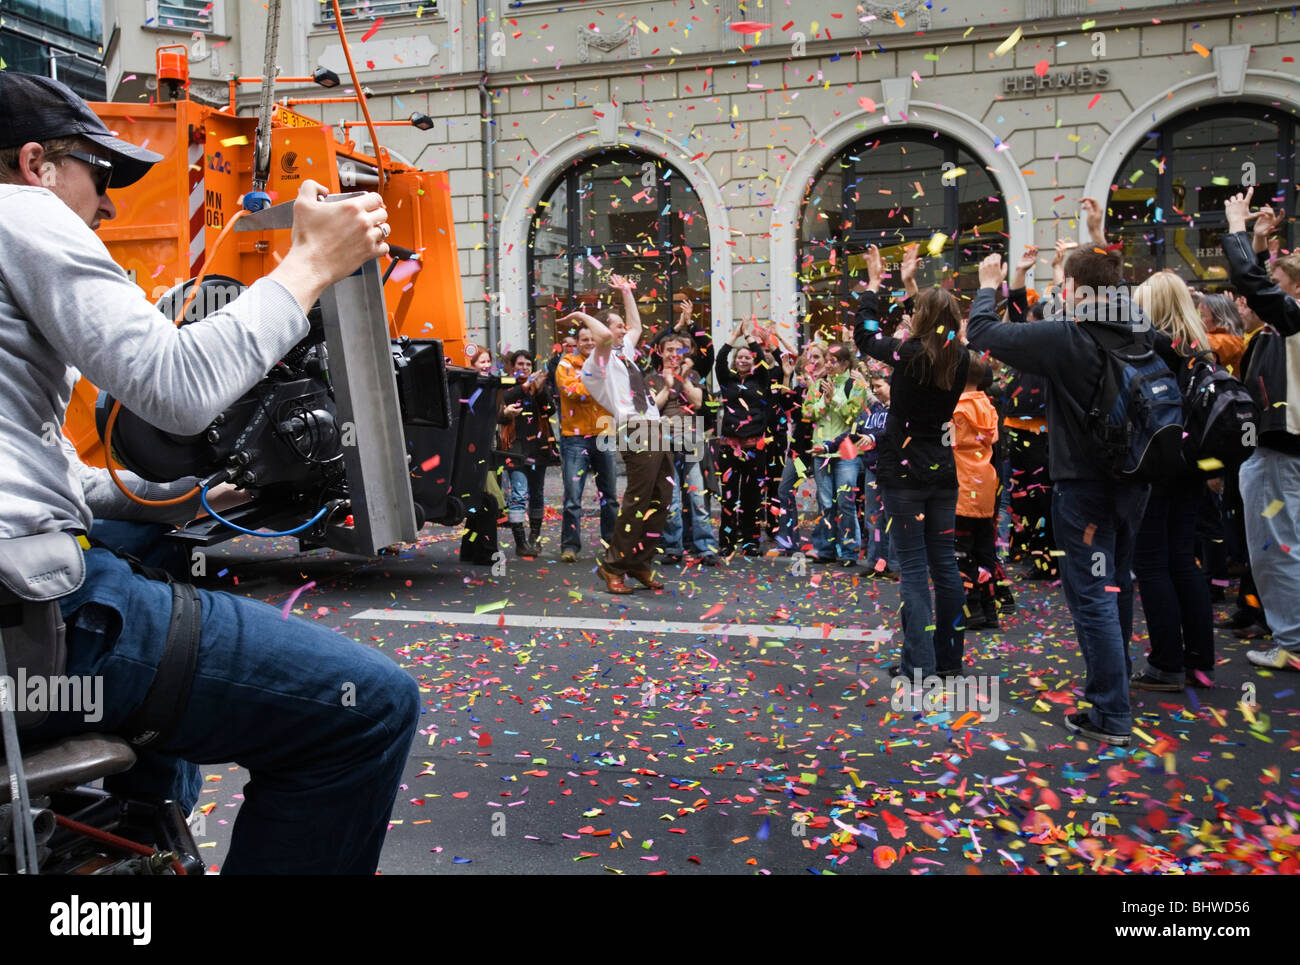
615,381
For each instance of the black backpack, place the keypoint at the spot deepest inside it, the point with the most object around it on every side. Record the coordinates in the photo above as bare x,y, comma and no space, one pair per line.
1135,418
1220,416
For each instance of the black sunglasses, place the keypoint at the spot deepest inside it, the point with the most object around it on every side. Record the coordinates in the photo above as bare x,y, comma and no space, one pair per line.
101,169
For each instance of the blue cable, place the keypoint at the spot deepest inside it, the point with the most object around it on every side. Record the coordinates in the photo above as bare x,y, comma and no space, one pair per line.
203,500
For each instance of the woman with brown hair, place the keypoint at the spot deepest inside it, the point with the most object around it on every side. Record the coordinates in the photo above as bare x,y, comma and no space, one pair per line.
915,464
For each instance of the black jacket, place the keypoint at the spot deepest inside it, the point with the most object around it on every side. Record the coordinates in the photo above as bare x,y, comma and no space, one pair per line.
1067,357
745,403
1274,352
911,452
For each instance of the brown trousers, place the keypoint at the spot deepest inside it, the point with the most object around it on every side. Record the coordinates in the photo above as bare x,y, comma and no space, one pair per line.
643,512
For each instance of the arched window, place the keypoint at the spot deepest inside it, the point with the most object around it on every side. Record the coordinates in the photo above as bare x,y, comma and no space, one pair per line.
892,189
1166,205
623,213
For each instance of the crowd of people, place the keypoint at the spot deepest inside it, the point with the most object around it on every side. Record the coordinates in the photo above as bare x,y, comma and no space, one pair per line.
945,443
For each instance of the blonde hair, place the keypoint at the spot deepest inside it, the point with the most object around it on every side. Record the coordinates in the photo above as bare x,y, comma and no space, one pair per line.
1167,301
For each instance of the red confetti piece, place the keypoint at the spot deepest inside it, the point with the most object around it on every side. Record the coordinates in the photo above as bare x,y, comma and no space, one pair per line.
750,27
1041,68
373,29
485,740
1093,103
884,856
431,462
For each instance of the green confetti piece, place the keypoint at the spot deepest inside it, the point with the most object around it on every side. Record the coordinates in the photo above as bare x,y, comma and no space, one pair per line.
1088,25
489,607
1220,182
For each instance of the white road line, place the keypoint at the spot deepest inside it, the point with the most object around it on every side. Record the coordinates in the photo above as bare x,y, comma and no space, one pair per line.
781,631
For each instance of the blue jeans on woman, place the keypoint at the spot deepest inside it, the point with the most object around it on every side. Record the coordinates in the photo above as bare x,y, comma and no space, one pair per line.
923,523
323,724
836,533
527,493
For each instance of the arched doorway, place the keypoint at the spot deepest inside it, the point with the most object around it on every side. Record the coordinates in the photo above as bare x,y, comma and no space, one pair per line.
1166,203
617,212
892,189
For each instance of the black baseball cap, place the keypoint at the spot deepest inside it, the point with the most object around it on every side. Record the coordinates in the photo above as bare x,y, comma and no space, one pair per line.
35,108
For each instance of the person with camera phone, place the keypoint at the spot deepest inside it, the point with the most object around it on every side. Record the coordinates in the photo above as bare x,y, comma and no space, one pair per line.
267,693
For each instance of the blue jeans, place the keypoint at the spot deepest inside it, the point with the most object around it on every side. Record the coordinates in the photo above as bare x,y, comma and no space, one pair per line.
1266,476
1096,523
687,474
877,539
581,455
836,532
323,724
787,494
923,524
527,492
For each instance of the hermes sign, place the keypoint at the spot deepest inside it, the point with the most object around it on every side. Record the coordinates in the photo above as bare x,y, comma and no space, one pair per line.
1080,79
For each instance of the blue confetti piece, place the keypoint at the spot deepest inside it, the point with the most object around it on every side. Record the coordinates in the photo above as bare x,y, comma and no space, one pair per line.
765,831
473,398
222,573
461,861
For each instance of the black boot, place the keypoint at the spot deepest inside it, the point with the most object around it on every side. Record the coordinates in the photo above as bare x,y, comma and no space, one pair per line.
522,546
535,534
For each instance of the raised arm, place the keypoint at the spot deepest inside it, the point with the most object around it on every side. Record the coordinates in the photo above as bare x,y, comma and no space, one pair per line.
1093,215
631,314
1249,277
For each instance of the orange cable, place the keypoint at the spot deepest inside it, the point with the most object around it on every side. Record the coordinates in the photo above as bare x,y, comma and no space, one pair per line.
117,405
361,95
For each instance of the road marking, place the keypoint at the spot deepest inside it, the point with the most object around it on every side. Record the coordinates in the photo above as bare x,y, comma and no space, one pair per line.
781,631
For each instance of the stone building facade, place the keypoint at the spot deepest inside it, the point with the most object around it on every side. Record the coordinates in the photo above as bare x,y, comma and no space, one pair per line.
1017,107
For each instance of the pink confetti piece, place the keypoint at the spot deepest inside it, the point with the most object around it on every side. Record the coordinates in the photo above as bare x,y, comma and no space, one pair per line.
293,598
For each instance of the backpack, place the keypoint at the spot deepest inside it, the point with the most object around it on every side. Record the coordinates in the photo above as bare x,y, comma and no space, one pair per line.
1135,418
1220,416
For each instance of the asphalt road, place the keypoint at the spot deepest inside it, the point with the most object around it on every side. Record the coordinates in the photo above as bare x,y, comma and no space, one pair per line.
743,724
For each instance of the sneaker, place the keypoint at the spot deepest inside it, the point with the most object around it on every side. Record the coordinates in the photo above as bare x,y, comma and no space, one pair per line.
821,559
1146,680
1276,658
671,559
1200,679
569,556
1080,723
709,559
887,575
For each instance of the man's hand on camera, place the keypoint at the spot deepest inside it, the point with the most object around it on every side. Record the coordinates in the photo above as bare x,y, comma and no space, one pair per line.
331,240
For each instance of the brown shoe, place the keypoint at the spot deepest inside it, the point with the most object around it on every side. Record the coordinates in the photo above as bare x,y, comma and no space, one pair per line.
613,582
646,577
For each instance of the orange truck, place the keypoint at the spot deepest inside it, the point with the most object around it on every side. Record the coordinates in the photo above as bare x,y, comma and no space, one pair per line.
167,224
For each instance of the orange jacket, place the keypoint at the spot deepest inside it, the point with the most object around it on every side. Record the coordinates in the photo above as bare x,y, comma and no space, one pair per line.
975,429
1228,349
580,414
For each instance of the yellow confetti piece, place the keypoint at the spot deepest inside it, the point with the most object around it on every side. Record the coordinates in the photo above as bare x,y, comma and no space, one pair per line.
1088,25
1009,42
232,141
1272,509
936,243
951,175
1209,465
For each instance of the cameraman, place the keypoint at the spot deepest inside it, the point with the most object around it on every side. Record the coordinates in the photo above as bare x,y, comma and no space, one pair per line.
323,725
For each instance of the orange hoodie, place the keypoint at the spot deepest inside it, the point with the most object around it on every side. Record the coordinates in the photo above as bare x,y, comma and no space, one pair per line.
975,429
